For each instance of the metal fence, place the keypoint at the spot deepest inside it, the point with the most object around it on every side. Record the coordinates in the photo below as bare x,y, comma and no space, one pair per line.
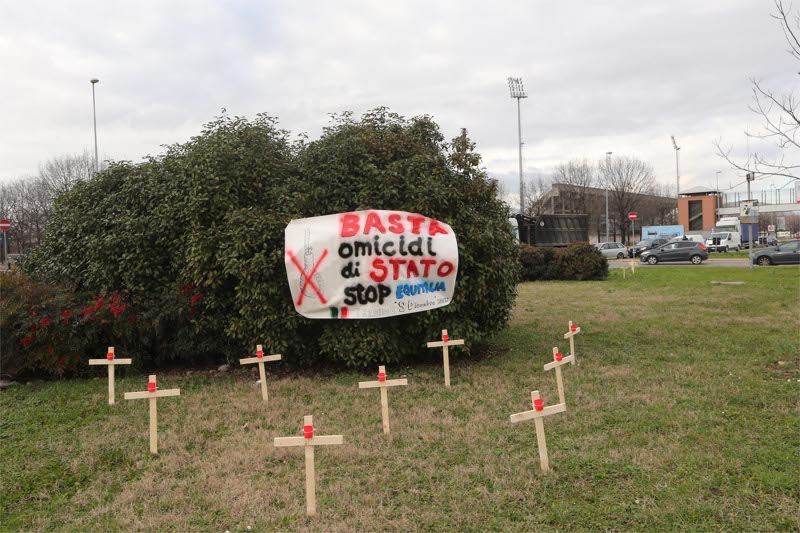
765,197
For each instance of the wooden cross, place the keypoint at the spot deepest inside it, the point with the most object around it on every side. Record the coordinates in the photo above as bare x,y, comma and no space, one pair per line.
260,359
111,363
445,343
308,440
573,330
153,395
559,360
383,384
539,411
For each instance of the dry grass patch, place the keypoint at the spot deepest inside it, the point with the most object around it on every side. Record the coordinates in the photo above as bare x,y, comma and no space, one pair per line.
665,430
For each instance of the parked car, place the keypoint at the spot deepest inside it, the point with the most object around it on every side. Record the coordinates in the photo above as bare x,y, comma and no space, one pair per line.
612,250
676,251
724,241
787,253
695,238
647,244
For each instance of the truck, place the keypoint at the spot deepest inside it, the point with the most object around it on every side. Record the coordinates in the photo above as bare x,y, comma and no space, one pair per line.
550,230
739,232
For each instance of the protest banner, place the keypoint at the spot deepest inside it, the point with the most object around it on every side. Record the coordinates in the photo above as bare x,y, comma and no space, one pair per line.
370,264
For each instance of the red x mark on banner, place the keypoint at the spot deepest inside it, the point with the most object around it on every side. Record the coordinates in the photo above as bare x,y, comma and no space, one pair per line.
307,277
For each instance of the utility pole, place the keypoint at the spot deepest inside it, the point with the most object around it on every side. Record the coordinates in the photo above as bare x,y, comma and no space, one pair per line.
608,169
677,165
750,177
518,92
94,116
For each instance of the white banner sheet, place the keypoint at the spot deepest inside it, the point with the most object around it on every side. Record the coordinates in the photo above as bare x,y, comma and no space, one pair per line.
370,264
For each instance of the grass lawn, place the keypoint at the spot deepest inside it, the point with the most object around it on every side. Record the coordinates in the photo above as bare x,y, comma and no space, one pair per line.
682,415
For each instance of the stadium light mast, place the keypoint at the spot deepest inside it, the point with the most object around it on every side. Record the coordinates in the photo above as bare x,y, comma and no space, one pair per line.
518,92
677,165
608,169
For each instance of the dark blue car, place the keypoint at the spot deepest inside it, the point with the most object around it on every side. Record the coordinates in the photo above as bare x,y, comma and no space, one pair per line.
676,251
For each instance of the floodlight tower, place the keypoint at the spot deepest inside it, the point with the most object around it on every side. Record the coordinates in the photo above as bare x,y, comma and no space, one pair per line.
608,169
518,92
677,165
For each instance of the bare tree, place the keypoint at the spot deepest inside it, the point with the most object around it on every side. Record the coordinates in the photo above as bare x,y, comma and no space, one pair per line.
792,222
778,112
576,177
60,173
628,180
28,201
536,196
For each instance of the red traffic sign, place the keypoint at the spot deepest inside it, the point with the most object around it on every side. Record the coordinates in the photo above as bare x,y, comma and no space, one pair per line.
5,224
632,215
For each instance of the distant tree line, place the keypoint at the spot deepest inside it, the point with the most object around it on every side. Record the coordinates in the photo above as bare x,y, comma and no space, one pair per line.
28,201
631,186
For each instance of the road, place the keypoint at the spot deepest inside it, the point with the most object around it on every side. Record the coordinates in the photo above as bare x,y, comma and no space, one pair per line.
712,262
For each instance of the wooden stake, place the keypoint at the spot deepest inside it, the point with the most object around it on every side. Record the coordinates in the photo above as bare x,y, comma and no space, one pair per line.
260,359
572,330
558,362
152,394
383,383
111,362
308,440
539,411
444,344
311,482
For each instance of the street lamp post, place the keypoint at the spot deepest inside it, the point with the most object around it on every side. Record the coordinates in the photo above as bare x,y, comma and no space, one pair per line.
518,92
94,116
608,169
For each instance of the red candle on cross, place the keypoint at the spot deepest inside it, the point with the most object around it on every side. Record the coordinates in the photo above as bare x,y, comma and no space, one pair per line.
558,356
259,353
308,431
381,376
573,328
110,356
445,337
151,387
538,404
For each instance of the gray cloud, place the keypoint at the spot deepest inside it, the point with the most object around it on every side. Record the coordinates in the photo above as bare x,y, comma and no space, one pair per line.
621,76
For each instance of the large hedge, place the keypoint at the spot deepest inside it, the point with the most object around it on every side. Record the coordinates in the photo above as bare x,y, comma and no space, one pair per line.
193,238
580,261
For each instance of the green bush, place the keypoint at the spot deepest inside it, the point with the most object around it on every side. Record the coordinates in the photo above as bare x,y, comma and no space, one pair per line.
579,262
383,161
537,262
194,237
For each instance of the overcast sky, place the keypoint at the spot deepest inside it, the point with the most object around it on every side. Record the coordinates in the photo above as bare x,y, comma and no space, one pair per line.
622,76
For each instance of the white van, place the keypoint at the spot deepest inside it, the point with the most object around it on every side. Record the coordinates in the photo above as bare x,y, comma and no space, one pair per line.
722,241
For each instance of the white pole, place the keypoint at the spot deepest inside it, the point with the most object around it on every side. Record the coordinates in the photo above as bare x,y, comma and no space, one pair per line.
5,250
750,248
94,117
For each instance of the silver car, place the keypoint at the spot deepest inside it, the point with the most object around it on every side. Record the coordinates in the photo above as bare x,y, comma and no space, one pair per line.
612,250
